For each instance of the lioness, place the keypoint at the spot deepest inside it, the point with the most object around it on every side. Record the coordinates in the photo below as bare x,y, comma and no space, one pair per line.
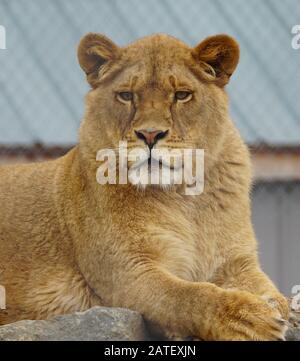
187,263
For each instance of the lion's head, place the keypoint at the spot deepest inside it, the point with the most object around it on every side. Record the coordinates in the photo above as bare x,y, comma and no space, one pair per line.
157,93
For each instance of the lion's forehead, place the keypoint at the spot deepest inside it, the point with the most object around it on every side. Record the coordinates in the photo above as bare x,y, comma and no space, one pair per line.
159,71
159,51
158,61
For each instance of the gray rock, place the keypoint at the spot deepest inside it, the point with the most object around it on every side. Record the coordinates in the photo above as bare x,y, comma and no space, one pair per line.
293,334
96,324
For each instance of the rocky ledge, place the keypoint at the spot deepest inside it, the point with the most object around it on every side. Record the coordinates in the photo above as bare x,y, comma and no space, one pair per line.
96,324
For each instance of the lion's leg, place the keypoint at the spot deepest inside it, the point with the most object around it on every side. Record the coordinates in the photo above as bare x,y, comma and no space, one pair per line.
244,273
55,292
200,310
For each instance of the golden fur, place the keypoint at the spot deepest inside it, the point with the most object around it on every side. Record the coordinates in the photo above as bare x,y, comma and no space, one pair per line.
187,263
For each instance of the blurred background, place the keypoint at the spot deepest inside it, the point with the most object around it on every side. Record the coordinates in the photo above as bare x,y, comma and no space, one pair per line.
42,90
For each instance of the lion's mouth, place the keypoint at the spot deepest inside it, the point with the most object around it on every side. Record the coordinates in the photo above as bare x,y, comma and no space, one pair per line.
158,163
153,164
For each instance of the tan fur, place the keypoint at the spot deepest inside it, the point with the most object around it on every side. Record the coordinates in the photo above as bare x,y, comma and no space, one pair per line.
187,263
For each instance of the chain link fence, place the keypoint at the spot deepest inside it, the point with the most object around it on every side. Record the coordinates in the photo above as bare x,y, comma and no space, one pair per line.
42,89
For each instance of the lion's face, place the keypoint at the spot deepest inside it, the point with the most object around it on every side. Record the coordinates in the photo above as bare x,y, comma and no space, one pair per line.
157,93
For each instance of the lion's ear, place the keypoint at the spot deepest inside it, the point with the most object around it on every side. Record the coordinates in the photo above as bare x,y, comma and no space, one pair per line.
222,53
94,50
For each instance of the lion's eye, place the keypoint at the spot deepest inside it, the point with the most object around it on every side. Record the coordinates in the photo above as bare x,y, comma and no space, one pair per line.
125,96
183,95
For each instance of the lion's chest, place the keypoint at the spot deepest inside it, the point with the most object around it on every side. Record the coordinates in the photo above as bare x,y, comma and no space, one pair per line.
184,250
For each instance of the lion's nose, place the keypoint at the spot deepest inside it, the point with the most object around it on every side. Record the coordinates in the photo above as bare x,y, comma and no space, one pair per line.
151,136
